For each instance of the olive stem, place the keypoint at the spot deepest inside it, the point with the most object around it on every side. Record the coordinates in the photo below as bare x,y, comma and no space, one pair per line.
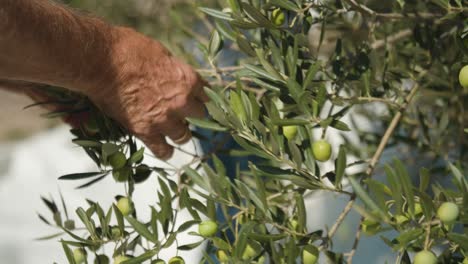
373,162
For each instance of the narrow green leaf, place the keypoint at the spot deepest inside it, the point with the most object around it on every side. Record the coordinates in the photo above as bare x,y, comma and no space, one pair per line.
216,13
216,43
68,253
206,124
137,156
245,46
405,181
141,229
80,176
190,246
424,179
395,188
257,16
87,143
142,258
361,193
340,166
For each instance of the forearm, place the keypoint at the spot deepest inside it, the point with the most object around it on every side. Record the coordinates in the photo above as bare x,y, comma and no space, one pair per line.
44,42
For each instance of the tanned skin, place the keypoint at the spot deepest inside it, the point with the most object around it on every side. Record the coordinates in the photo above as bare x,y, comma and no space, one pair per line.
131,77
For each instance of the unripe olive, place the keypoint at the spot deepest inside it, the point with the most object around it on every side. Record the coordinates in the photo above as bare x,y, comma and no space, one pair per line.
290,132
115,233
125,206
79,255
117,160
465,261
425,257
101,259
121,258
448,212
310,254
321,150
249,252
176,260
208,228
463,76
158,261
278,17
222,256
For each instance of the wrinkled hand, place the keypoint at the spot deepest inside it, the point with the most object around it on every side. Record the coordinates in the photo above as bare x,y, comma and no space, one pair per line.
149,91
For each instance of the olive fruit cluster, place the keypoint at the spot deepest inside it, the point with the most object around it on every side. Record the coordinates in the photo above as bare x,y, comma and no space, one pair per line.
321,148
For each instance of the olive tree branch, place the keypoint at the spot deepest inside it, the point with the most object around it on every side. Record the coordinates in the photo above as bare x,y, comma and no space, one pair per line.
388,133
370,169
363,9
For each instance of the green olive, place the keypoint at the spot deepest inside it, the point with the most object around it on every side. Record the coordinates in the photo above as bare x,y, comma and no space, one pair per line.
121,258
321,150
278,17
425,257
463,76
158,261
448,212
176,260
115,233
310,254
125,206
208,228
290,132
79,255
465,261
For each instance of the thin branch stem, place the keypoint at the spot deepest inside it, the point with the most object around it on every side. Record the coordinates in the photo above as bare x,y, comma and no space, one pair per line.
367,11
349,259
378,44
220,69
373,162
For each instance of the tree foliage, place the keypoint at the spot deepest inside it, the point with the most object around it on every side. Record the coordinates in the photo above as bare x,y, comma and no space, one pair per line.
322,67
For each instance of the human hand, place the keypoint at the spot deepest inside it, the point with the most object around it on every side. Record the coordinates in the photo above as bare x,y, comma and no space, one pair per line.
149,91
